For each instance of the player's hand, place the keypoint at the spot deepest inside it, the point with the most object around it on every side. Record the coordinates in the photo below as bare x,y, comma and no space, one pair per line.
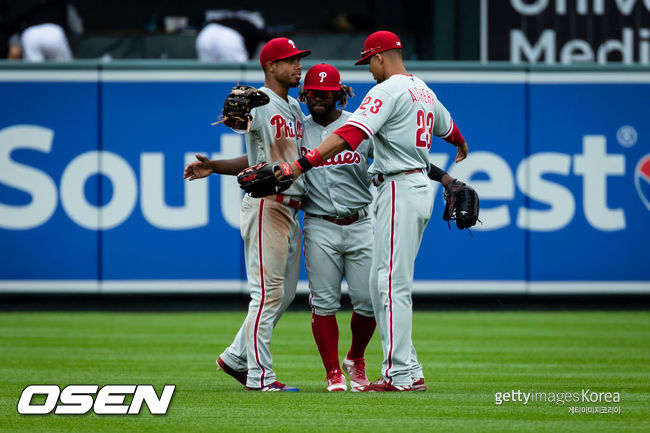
198,169
295,170
462,152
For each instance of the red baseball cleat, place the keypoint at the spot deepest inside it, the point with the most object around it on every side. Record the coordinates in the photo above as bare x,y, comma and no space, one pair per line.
240,376
418,384
356,368
275,386
336,381
380,385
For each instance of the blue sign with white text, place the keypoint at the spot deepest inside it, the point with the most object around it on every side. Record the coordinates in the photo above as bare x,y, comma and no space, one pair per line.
91,184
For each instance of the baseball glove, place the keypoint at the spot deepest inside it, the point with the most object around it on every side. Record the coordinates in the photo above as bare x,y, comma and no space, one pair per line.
238,105
261,179
461,204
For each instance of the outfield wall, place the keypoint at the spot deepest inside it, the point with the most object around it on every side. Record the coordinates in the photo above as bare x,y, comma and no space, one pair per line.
92,198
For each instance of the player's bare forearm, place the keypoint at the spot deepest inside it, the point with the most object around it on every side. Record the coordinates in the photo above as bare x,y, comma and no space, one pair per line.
204,167
446,179
456,138
332,145
462,152
439,175
231,166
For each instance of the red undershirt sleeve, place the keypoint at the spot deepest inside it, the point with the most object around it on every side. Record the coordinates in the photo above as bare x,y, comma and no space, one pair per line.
352,135
454,137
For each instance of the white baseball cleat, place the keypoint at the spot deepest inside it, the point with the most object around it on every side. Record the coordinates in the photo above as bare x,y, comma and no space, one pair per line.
356,368
336,381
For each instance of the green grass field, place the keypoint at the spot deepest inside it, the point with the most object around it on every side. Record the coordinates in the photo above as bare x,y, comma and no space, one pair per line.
467,358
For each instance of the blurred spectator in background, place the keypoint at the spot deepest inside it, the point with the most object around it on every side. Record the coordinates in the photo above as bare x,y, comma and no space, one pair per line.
45,30
15,50
345,22
231,36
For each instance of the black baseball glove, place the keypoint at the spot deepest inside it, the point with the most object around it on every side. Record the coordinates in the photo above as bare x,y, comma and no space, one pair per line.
265,179
238,105
461,204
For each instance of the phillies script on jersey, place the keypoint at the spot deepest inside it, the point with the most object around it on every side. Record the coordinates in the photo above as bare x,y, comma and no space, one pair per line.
285,128
345,157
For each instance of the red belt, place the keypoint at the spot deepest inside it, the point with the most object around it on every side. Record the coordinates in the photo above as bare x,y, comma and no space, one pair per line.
345,221
380,177
288,201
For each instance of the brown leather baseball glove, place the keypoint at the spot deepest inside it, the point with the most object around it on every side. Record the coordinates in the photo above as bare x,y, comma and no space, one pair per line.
238,105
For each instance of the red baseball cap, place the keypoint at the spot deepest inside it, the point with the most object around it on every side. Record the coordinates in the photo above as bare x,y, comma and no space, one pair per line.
278,49
323,77
376,43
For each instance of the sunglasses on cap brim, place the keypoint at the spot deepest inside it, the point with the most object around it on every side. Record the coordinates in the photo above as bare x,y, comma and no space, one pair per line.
323,94
370,51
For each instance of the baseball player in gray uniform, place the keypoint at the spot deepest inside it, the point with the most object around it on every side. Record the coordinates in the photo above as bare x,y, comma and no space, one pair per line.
337,230
269,225
402,114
